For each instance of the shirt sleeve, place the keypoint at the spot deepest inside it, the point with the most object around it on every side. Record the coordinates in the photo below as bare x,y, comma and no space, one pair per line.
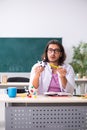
70,79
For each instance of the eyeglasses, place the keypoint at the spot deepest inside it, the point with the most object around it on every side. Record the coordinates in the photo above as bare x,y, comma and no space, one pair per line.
56,51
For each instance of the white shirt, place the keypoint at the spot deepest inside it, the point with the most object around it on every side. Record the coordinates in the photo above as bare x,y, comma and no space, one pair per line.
45,78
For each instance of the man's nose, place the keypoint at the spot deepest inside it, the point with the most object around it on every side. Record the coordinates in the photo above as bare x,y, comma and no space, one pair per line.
53,52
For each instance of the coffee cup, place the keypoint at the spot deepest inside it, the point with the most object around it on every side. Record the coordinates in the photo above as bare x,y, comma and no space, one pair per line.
12,91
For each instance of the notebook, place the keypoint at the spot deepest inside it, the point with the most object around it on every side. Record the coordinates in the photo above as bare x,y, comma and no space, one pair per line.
57,94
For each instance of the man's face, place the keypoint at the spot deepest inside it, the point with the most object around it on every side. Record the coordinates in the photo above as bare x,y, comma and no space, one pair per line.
53,53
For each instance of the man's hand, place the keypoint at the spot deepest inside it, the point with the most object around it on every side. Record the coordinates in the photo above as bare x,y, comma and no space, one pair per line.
39,69
62,72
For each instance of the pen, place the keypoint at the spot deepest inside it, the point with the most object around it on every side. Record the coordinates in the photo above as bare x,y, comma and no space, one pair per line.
79,95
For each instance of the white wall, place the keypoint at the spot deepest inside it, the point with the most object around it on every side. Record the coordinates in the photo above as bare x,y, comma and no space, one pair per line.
45,18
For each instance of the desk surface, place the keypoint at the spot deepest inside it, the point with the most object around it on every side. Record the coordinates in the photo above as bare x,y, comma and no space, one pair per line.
42,99
16,84
80,80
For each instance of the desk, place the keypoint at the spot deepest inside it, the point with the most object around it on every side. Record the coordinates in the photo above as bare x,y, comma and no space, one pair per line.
14,84
81,84
79,81
45,113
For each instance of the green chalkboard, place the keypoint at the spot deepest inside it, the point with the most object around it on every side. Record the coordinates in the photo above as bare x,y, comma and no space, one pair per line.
19,54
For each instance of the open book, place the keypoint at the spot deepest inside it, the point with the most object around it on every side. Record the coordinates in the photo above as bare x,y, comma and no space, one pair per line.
57,94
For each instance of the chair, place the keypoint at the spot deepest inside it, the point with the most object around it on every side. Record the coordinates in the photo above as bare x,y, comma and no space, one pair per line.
18,79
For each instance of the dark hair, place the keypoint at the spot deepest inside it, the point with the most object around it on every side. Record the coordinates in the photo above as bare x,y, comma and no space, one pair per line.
63,56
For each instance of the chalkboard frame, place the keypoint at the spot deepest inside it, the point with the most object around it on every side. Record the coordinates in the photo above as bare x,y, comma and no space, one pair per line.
19,54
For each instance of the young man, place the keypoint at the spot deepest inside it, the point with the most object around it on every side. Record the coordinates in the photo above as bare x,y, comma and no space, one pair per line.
53,75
